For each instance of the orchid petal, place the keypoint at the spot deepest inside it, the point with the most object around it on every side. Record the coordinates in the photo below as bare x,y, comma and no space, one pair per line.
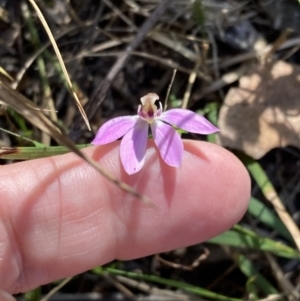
133,147
114,129
188,121
168,142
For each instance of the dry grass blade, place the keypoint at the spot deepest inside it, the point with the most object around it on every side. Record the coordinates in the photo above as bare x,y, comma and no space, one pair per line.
63,67
190,85
119,286
273,298
273,197
56,289
174,45
190,267
155,292
118,12
5,74
283,281
100,94
169,89
23,106
279,42
33,57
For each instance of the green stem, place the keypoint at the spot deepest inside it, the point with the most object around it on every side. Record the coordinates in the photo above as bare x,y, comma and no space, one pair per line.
176,284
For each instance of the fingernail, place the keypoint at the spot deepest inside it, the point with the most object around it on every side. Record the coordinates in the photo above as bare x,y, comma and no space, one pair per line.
6,297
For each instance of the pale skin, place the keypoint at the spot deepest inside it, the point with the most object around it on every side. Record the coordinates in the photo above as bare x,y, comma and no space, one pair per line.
59,217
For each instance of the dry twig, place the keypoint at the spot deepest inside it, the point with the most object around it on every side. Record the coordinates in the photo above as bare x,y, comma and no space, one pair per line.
190,267
100,94
61,62
24,107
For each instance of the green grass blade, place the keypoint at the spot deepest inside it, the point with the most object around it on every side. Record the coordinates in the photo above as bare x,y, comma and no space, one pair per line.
172,283
252,288
258,174
35,143
18,119
267,217
5,74
34,295
271,195
243,238
29,153
199,14
248,268
211,110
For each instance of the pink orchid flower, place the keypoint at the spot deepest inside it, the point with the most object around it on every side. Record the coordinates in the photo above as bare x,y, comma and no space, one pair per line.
135,131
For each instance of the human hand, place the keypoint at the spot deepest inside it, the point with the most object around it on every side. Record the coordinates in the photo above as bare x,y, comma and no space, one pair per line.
59,217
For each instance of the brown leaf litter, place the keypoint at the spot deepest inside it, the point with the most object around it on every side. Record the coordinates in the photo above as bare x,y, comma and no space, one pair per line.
263,112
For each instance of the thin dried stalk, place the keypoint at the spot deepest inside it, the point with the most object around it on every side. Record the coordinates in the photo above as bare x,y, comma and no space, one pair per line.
24,107
61,62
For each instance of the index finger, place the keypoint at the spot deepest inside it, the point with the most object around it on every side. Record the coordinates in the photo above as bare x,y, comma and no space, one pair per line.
59,217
